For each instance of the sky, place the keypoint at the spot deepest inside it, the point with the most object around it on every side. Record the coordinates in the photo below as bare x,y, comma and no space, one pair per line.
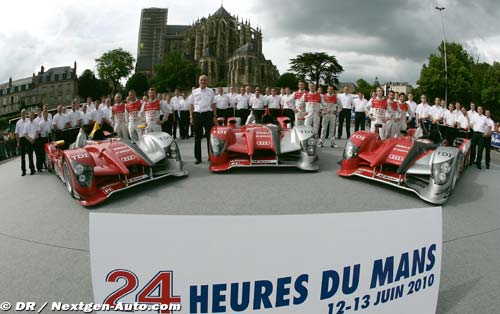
388,39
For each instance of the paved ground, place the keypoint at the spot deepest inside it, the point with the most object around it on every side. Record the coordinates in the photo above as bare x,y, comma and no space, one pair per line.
44,233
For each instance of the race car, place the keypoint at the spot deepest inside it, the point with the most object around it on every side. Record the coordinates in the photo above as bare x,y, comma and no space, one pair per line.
269,144
429,168
93,170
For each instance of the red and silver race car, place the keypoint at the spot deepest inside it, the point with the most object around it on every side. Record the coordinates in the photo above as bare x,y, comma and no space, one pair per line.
94,170
427,168
267,144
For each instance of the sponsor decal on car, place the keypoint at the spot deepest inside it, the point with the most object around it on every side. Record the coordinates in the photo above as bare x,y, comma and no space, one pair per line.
386,177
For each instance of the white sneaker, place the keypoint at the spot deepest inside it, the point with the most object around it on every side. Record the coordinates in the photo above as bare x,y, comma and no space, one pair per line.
334,145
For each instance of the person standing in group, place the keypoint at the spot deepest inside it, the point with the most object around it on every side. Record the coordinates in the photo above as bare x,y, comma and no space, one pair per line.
299,106
329,113
31,132
313,104
480,129
119,118
288,105
105,116
274,104
133,108
90,105
360,112
450,124
184,117
222,102
405,115
22,142
166,113
423,114
345,102
377,108
59,123
242,105
87,119
412,109
232,102
487,138
174,106
258,104
45,130
202,114
392,123
152,111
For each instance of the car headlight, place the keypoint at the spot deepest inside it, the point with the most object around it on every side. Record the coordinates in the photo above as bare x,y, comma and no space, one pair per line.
78,169
217,146
83,174
309,146
350,150
441,171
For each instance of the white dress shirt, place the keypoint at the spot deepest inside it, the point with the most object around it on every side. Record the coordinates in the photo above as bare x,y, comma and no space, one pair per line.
479,123
31,128
174,102
184,105
274,102
258,103
74,117
288,101
345,100
423,111
20,127
413,107
45,128
437,112
360,105
450,118
59,121
202,99
222,101
242,101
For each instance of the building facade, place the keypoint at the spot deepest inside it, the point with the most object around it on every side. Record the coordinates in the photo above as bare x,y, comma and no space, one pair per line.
55,86
228,50
398,87
151,33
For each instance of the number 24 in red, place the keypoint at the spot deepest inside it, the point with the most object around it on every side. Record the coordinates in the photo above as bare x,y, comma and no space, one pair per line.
162,281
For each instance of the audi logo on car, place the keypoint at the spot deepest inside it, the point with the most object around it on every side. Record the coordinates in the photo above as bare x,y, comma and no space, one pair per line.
128,158
396,157
263,143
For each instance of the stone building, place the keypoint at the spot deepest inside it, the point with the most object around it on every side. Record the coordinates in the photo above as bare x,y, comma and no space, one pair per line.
55,86
398,87
227,49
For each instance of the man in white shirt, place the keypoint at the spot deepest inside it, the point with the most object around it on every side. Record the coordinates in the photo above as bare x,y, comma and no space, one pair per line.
202,114
222,103
232,102
87,119
472,113
258,104
480,127
174,104
105,116
242,105
423,114
437,111
22,143
359,112
45,130
60,123
413,109
31,131
288,105
274,104
90,105
345,102
487,138
184,117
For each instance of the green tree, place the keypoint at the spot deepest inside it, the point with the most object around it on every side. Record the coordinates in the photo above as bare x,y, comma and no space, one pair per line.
288,79
490,95
91,86
138,82
365,88
317,67
175,72
114,65
432,76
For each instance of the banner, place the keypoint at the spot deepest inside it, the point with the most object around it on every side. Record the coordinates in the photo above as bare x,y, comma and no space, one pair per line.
495,140
369,262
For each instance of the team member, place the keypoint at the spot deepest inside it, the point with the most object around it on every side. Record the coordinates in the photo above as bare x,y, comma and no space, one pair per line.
59,124
299,106
359,112
174,105
258,104
133,108
423,114
472,113
412,110
87,119
345,101
405,114
119,117
274,104
166,113
450,123
329,113
392,115
288,105
105,114
31,132
222,102
313,104
203,114
90,105
184,117
21,140
232,102
480,127
45,129
377,108
152,111
487,138
242,105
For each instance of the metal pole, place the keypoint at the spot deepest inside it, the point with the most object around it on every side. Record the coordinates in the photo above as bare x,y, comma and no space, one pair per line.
440,9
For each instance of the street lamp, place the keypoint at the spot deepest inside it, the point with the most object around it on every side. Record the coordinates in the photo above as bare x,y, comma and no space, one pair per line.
440,9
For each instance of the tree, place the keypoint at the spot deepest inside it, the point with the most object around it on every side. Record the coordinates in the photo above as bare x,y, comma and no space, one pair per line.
114,65
317,67
138,82
288,79
490,95
175,72
90,86
365,88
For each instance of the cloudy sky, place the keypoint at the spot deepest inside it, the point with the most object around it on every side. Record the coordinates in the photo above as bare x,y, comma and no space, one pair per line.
388,39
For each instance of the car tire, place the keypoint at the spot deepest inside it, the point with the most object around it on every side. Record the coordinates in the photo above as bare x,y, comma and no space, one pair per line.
458,162
48,161
68,178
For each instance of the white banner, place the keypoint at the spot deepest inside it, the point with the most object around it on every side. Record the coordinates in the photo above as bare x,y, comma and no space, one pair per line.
371,262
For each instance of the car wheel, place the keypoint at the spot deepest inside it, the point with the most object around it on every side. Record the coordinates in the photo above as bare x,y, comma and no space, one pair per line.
48,161
458,162
68,179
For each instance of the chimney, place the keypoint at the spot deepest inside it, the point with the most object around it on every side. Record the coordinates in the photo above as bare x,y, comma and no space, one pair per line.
10,81
42,70
74,65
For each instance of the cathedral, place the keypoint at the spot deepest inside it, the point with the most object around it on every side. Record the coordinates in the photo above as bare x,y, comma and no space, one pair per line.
227,49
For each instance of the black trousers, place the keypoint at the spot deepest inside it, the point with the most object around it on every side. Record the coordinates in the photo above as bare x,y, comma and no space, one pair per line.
290,115
258,113
184,123
243,115
223,113
167,125
26,147
202,122
39,152
275,113
359,121
487,151
345,114
175,122
476,151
